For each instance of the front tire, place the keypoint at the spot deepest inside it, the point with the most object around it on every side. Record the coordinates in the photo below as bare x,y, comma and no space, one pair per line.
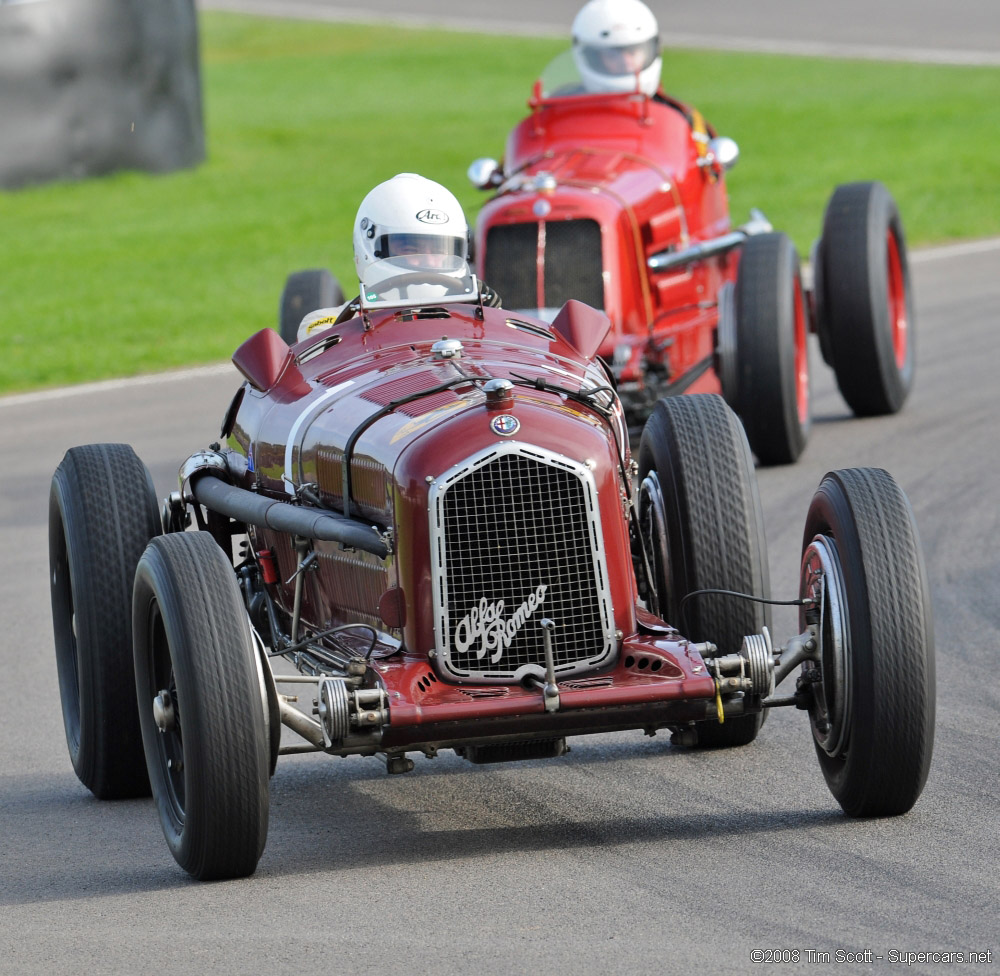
865,311
772,354
200,707
702,527
102,513
873,689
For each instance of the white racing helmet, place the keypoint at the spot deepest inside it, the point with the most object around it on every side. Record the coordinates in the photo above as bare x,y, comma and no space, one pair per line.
615,40
406,229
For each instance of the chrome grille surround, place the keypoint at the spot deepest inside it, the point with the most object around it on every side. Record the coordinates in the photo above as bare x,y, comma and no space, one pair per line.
516,536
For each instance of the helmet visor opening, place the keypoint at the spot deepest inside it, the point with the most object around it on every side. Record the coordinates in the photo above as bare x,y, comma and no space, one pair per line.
624,59
395,245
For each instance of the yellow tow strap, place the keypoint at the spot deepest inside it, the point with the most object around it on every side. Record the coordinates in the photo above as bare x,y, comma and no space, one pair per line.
719,710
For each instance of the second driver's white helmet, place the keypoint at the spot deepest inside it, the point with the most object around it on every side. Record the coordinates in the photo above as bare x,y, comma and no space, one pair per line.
615,40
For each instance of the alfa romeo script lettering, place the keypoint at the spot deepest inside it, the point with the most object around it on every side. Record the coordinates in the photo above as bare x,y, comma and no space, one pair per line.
485,623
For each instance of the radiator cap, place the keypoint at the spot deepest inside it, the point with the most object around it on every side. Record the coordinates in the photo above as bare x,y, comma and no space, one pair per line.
446,348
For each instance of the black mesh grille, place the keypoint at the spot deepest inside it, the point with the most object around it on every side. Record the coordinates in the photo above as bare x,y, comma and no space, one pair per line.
510,266
511,526
573,267
573,263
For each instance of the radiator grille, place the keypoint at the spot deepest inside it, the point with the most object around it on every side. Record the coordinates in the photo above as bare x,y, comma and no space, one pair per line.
573,266
510,265
517,537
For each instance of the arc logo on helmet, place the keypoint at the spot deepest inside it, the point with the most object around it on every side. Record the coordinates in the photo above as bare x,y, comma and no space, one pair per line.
429,216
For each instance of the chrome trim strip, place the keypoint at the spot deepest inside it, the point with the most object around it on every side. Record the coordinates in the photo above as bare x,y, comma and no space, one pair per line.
299,421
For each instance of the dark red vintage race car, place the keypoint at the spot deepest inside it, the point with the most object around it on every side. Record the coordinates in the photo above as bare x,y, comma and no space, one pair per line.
419,532
619,200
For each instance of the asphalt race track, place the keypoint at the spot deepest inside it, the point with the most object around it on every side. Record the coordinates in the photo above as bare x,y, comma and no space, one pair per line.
626,856
958,32
626,850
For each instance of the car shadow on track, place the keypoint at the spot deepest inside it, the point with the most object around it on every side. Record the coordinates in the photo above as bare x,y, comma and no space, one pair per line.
330,815
608,792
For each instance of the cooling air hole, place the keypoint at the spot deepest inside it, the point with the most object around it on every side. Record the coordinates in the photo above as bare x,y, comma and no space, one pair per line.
643,663
656,665
629,661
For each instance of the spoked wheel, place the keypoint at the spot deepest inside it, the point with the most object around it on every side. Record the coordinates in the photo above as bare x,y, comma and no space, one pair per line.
873,688
102,512
305,292
864,301
203,717
772,356
702,527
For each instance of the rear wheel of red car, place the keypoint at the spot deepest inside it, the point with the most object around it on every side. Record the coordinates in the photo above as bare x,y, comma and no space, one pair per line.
305,292
102,512
872,716
702,527
864,300
772,354
200,706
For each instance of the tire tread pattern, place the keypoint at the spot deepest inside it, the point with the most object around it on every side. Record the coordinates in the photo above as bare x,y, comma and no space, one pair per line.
854,301
225,743
699,451
103,501
766,395
892,639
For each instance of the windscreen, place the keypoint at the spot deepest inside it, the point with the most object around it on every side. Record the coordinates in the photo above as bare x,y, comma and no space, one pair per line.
418,279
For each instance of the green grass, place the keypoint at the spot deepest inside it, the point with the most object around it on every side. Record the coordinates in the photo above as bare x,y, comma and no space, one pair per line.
133,273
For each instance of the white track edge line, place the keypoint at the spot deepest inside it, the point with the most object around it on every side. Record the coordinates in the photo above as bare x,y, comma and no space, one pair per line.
922,256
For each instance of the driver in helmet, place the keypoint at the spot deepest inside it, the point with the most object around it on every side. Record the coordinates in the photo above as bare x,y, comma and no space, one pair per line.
616,48
411,248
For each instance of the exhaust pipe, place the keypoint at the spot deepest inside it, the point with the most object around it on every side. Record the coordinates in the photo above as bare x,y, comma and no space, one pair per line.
246,506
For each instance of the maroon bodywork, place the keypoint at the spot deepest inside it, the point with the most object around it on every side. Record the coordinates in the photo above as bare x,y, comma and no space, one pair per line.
651,676
425,516
429,518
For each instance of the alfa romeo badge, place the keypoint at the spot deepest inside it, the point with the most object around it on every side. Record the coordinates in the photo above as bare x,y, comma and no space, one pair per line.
505,425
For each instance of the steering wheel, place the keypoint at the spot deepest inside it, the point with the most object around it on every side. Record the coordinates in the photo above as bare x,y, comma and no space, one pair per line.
452,285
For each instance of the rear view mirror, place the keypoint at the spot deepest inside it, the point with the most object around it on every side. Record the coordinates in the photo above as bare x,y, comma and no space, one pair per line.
485,173
725,151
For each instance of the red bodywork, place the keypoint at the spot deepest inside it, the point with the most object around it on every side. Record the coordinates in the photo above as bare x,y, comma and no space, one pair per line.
360,386
638,168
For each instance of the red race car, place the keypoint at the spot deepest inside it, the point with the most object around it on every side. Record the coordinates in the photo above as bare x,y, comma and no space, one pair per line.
619,200
420,532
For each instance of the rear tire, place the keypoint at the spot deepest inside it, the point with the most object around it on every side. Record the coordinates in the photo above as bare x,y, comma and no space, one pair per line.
102,513
865,312
873,712
304,292
200,707
772,354
697,482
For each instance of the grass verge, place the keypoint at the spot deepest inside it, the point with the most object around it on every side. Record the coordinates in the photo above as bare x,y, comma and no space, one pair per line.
133,273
